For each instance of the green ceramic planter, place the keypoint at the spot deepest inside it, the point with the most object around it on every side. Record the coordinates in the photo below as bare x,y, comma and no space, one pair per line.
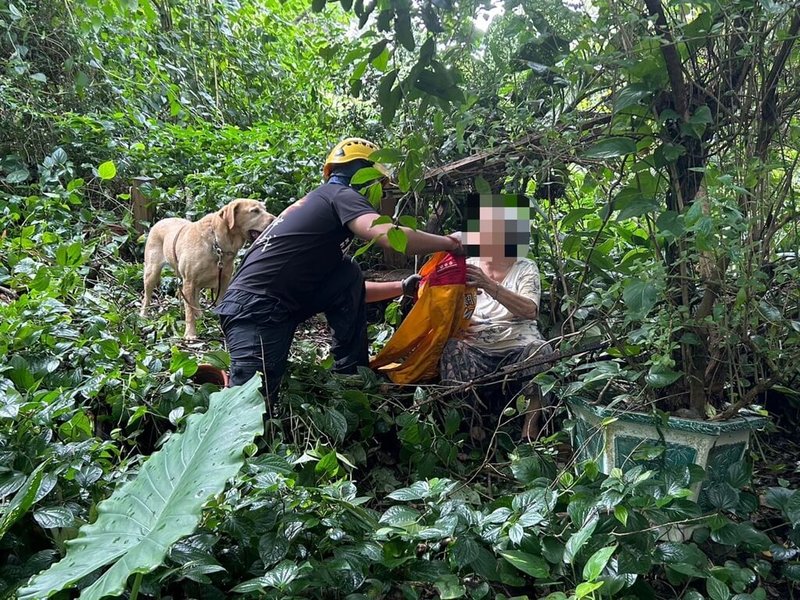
620,442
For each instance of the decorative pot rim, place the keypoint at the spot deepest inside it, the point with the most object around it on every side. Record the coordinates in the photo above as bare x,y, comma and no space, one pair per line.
739,423
206,368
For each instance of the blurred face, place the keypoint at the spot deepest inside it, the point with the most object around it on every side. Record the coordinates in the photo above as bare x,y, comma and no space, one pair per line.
498,227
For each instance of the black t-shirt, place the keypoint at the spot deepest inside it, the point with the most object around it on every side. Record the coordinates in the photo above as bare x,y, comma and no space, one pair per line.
302,246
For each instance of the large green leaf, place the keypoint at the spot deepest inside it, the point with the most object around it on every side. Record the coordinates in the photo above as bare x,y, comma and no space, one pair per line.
717,590
399,516
22,500
586,588
533,565
779,497
439,82
640,297
631,95
390,105
404,30
424,489
791,506
578,539
611,148
723,496
670,222
137,525
366,174
464,550
632,202
449,587
661,376
753,538
597,562
377,49
280,577
107,170
398,239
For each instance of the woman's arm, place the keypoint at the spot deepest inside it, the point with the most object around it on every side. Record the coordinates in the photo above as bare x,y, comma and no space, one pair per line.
518,305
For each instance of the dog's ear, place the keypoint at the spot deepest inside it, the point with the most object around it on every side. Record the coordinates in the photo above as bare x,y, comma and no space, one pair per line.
228,213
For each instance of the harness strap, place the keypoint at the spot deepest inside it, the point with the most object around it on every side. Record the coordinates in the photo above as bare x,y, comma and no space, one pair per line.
219,252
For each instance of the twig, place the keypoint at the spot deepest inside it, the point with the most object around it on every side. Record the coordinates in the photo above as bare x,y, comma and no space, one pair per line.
748,398
8,292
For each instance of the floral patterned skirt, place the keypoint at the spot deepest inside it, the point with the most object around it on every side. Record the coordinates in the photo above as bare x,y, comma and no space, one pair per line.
462,362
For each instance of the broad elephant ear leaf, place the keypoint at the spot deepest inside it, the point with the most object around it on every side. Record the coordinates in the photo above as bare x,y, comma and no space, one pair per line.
138,524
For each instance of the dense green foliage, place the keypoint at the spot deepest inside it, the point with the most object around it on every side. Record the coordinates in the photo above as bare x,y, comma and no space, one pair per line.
142,519
659,144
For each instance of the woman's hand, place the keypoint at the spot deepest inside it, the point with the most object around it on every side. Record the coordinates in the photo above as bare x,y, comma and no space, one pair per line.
478,278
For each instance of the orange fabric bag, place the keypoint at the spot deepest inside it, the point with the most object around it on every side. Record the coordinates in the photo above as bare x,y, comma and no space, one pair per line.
442,311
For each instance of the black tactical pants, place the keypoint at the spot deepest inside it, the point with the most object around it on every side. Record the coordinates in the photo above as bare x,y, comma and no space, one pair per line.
259,330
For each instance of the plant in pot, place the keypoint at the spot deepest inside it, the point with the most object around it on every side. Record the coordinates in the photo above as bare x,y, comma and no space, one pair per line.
696,179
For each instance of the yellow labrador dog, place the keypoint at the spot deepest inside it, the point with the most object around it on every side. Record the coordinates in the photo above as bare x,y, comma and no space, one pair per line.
201,253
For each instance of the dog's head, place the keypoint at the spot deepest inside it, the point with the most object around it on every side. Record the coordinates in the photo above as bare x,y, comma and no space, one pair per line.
248,217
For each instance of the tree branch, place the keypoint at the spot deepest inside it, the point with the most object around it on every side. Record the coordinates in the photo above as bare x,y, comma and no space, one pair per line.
769,102
748,398
671,57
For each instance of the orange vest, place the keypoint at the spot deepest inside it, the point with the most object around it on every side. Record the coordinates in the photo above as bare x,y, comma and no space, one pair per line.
442,311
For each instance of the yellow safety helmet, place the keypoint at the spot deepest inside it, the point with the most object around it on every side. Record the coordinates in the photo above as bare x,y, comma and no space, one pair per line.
350,149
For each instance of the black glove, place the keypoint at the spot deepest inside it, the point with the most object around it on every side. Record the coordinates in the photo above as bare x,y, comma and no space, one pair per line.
411,285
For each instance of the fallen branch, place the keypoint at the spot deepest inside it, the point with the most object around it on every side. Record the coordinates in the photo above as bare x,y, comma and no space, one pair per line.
520,144
4,291
748,398
532,361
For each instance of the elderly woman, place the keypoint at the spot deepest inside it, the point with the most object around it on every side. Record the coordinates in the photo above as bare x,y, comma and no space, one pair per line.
503,329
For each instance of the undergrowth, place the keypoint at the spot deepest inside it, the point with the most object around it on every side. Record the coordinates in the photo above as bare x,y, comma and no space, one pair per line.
361,489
